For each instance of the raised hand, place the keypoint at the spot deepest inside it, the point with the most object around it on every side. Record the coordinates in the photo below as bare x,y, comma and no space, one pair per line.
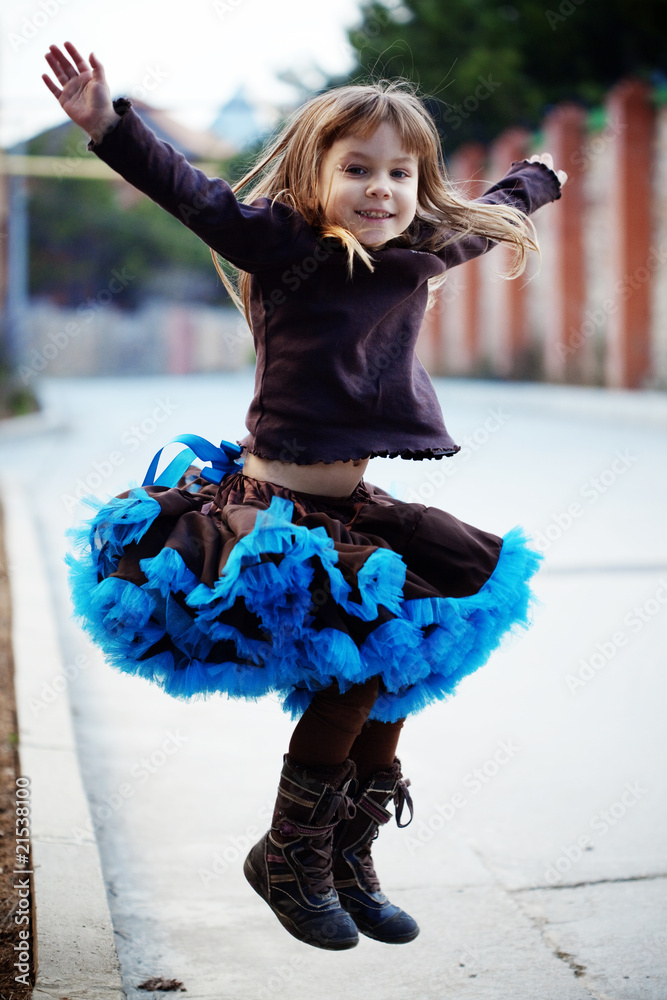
547,160
85,95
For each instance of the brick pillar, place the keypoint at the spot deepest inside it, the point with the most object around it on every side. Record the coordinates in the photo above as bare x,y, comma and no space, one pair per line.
4,237
467,170
564,138
509,314
178,337
632,121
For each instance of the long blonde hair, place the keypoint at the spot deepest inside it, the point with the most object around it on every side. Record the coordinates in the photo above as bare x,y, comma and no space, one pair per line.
288,168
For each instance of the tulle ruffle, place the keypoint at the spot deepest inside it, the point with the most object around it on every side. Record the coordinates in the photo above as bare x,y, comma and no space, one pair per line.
189,638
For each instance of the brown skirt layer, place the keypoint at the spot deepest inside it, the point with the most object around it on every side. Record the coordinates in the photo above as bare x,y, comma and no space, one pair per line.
249,587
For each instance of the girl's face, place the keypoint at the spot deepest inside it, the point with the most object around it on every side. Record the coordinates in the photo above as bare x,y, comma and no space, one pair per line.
369,186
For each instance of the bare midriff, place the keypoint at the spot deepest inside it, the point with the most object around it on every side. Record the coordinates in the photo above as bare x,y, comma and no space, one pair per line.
334,479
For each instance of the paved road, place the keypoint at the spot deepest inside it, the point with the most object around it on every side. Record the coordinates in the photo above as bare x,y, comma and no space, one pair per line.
536,861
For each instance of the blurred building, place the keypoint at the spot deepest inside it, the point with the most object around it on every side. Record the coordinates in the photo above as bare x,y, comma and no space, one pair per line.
241,123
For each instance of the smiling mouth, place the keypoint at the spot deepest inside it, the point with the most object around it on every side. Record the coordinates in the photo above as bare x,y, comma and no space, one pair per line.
375,215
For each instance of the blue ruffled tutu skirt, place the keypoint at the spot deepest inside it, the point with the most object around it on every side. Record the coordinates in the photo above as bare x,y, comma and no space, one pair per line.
247,588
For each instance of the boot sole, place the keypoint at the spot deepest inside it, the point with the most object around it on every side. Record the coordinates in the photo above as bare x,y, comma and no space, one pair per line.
395,940
369,931
257,883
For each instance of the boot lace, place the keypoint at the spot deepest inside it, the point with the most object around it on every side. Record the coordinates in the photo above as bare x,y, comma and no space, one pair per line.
401,798
315,857
366,870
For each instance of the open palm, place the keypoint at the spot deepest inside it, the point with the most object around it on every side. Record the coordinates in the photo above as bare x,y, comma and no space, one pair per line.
85,95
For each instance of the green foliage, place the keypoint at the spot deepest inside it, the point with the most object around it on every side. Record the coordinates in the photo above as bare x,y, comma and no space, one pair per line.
81,233
236,166
16,400
485,65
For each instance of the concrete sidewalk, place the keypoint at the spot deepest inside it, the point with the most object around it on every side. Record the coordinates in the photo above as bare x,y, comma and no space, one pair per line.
536,861
75,943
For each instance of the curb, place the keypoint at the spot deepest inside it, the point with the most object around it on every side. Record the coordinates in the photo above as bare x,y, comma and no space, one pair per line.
75,950
643,406
42,422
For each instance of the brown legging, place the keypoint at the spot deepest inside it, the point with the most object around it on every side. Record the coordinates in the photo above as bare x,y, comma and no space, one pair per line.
336,727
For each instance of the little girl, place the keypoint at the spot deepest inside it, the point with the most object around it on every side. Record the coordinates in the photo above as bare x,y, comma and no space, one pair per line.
278,568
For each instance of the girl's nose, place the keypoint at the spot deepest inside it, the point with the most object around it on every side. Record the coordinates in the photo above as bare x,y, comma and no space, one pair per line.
379,187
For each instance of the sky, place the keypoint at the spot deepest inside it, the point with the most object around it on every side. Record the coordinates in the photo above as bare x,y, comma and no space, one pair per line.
188,64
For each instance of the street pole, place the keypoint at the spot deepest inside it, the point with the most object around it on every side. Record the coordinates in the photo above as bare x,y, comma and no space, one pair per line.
16,293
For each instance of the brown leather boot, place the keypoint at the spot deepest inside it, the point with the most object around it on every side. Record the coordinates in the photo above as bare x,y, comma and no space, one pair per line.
290,867
354,873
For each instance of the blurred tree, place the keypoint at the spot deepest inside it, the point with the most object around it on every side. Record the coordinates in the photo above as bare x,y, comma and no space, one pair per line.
487,64
239,164
81,231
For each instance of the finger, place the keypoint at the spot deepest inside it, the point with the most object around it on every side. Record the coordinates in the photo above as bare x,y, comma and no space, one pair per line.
548,159
60,64
79,61
56,91
562,176
58,71
97,67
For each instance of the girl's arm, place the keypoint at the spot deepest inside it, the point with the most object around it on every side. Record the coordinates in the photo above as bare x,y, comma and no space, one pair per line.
250,236
527,185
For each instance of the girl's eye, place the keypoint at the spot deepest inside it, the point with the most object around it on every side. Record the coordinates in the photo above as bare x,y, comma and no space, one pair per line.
357,171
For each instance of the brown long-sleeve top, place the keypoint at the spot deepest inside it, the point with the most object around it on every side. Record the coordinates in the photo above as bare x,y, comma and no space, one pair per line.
337,377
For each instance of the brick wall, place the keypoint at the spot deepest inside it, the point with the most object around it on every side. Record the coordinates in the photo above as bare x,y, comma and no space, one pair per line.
161,337
595,311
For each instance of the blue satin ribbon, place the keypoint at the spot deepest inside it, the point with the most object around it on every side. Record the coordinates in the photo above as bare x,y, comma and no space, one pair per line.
223,460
